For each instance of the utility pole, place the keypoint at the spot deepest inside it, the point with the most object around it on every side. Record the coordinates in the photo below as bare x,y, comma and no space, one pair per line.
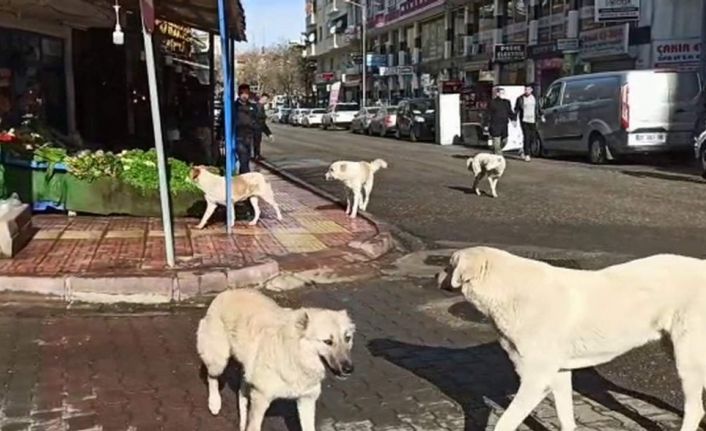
703,42
364,8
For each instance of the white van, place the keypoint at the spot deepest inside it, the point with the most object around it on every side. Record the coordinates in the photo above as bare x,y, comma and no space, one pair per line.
606,115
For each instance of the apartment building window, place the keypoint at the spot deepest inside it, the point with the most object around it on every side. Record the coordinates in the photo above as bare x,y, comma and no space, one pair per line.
459,32
516,22
433,37
552,23
486,25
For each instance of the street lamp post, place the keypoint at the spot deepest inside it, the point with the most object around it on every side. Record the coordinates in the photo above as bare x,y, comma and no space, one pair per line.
363,5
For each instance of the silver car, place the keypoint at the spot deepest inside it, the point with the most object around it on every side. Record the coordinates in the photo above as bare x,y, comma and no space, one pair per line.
606,115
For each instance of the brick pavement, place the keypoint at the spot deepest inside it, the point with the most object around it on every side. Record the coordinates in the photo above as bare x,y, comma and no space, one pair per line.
424,361
312,228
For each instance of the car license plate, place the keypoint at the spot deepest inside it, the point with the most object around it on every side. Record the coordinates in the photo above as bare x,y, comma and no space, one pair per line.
651,138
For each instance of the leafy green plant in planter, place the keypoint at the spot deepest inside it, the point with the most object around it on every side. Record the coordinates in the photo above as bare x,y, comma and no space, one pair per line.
140,171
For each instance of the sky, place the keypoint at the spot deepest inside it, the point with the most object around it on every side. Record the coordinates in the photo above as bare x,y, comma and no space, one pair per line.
271,21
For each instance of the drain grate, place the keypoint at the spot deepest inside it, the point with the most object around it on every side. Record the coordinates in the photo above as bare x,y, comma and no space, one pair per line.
436,260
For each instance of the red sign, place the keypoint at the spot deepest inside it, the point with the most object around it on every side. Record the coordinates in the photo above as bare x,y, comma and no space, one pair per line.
451,86
147,8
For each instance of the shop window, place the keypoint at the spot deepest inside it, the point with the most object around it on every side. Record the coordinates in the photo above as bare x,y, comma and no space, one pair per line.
33,79
516,21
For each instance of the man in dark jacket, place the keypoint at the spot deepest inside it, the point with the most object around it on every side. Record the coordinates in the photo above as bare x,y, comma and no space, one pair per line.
527,110
245,126
498,115
261,125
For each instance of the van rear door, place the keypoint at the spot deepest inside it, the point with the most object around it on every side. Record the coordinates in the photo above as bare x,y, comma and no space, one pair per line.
663,103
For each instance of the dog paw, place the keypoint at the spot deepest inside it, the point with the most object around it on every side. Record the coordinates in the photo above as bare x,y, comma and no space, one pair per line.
198,227
214,405
476,191
495,195
252,223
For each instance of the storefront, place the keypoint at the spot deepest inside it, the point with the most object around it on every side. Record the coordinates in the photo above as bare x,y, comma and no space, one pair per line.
606,49
548,65
32,78
322,83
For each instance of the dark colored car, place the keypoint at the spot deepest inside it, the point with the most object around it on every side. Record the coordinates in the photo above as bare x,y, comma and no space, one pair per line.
384,122
361,121
284,119
416,119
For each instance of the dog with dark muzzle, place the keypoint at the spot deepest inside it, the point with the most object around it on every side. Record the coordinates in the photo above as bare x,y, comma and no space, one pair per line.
284,352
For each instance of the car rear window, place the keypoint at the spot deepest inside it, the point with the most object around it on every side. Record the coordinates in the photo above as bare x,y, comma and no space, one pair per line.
318,111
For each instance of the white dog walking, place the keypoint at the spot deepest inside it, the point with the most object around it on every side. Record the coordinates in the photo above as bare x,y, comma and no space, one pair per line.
284,352
484,164
358,179
553,320
252,186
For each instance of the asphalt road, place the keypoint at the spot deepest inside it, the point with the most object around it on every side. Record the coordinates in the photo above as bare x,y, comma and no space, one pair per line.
633,209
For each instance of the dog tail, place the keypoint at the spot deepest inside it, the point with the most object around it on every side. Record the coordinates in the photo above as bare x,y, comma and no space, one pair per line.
473,165
212,344
378,164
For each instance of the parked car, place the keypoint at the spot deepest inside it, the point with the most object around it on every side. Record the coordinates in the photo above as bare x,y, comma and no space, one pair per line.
295,115
313,118
416,119
284,118
339,115
384,122
607,115
361,121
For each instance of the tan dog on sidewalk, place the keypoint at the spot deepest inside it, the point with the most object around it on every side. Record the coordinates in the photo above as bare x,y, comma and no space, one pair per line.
284,353
250,186
358,179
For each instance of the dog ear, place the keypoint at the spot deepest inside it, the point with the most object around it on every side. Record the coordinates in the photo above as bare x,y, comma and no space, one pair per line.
302,321
195,172
468,267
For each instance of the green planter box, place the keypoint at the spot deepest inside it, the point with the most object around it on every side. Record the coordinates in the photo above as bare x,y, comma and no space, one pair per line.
101,197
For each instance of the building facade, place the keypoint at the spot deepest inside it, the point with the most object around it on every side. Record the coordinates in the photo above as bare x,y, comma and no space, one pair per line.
332,39
426,43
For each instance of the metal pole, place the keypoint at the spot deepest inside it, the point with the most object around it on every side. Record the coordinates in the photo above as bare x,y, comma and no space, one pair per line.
159,147
364,8
227,109
703,45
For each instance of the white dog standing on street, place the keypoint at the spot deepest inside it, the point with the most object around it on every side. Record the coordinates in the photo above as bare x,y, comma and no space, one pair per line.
358,179
284,352
483,164
252,186
554,320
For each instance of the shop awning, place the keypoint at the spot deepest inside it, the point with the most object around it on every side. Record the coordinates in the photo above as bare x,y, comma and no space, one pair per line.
201,14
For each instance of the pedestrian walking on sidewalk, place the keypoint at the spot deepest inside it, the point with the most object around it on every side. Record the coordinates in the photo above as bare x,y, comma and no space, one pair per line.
262,126
498,116
245,126
527,110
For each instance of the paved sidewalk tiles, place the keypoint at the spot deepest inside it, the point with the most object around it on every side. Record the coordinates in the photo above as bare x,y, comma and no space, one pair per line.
135,245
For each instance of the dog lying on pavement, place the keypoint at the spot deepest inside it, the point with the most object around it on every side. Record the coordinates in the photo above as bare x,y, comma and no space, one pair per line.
251,186
554,320
284,352
484,164
358,179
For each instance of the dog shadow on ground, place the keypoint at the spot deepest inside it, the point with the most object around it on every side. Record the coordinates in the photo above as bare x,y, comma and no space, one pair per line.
472,375
469,191
230,381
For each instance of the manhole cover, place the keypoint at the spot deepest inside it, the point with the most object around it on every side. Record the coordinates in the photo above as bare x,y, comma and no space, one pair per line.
436,260
466,311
